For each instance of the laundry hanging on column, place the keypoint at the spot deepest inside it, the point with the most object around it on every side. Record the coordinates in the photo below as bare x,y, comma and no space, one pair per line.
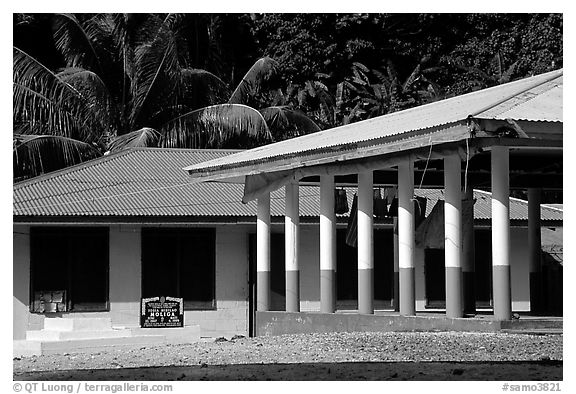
419,204
430,233
340,201
380,206
352,229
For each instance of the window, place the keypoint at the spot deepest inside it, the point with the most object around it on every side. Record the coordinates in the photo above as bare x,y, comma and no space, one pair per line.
69,269
180,262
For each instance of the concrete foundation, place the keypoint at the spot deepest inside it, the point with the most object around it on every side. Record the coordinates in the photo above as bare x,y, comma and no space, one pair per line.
407,305
281,323
501,281
366,291
292,291
327,293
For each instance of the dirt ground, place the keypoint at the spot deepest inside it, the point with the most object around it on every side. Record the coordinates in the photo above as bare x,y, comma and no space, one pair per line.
334,356
505,371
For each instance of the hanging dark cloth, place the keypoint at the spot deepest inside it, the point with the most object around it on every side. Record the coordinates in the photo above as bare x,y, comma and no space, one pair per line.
380,206
341,201
352,230
392,201
430,233
419,210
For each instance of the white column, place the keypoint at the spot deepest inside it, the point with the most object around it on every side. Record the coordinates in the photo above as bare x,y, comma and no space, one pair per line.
365,243
291,239
534,249
406,237
263,254
327,245
501,233
453,236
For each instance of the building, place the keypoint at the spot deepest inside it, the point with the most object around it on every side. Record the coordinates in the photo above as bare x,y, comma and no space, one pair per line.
100,236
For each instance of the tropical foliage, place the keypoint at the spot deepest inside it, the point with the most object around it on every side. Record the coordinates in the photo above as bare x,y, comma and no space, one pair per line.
128,81
91,83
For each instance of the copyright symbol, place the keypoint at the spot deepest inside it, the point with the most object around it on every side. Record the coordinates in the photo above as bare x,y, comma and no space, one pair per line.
17,387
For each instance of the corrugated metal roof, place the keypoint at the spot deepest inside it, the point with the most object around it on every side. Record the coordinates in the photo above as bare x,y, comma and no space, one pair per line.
514,98
150,183
543,103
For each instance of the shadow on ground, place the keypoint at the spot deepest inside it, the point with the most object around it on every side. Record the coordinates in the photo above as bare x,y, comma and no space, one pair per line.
531,370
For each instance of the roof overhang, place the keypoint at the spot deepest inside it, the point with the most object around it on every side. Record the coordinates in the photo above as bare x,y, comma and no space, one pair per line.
464,125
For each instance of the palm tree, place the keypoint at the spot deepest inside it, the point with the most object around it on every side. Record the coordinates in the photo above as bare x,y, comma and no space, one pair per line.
129,81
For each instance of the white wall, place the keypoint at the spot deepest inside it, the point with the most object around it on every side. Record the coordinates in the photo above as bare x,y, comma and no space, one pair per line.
231,314
125,275
21,280
519,269
519,272
309,268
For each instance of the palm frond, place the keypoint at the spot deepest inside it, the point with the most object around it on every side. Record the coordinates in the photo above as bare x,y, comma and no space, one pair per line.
217,126
285,122
92,88
258,76
34,155
49,104
411,79
156,75
145,137
200,88
81,43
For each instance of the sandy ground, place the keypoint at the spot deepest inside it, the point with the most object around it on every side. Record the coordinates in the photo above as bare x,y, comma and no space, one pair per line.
335,356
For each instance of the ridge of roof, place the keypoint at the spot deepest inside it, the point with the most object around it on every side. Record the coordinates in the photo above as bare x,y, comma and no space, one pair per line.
67,170
555,74
113,156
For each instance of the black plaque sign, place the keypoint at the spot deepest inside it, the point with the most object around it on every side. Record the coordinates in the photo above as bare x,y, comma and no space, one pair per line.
162,312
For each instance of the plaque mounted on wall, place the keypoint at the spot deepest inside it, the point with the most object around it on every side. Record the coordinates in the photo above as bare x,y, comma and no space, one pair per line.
161,312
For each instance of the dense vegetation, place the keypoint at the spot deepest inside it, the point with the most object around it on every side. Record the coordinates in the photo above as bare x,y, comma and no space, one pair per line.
87,84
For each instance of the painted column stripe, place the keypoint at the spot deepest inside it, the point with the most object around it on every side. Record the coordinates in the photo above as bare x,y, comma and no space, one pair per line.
327,245
453,236
292,223
500,206
452,212
365,243
327,224
365,220
405,214
263,234
263,254
501,234
406,238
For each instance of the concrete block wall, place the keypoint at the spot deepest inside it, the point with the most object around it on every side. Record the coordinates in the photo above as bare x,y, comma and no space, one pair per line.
309,268
21,280
231,313
519,269
125,284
